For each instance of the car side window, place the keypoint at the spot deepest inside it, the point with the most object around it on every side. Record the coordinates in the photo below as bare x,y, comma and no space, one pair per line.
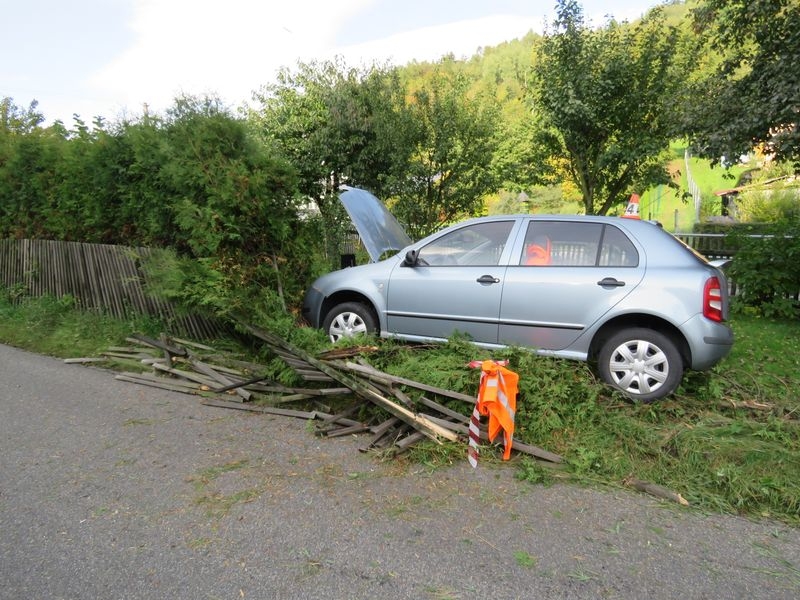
572,244
561,243
617,250
479,244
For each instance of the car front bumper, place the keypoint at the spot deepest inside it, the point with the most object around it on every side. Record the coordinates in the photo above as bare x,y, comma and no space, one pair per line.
312,307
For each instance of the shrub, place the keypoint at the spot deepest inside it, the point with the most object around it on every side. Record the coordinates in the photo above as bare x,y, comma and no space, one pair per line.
766,270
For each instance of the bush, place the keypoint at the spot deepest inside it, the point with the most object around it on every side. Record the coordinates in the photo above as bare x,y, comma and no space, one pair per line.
767,272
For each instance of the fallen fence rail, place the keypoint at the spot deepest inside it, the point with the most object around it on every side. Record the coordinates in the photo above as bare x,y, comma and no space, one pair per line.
223,381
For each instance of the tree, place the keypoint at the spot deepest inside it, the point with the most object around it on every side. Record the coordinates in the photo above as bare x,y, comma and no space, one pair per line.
602,103
753,96
337,125
450,170
14,119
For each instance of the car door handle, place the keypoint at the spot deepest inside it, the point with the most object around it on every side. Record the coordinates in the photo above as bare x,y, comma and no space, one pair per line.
487,279
610,282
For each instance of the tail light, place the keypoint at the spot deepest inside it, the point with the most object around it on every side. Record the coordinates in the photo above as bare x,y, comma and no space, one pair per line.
712,300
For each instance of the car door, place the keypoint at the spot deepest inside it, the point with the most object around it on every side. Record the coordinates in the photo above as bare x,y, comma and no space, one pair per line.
455,285
566,276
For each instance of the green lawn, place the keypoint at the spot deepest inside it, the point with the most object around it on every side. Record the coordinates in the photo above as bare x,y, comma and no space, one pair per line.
668,205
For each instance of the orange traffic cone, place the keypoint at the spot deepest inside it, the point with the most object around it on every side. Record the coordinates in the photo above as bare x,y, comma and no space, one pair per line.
632,210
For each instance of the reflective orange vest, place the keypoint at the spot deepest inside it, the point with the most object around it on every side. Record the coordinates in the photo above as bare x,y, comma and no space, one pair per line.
536,254
497,398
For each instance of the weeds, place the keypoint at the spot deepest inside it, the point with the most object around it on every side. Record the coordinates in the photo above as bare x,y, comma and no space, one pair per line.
217,504
524,559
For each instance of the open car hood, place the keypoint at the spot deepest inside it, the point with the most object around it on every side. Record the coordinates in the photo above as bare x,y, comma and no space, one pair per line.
380,232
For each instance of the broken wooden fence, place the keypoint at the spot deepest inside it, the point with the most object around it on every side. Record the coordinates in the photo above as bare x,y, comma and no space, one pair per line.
101,277
410,411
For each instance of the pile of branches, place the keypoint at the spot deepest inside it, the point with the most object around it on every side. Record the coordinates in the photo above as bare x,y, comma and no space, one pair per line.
409,411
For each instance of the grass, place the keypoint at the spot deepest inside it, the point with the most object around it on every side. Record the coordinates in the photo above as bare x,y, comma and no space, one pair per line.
727,441
55,327
215,503
670,208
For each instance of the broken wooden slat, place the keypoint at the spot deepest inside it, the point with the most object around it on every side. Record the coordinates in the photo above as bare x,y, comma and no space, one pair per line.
400,395
220,368
370,372
300,414
171,353
406,442
382,428
339,431
344,415
150,361
351,352
379,432
220,378
131,363
193,344
301,366
190,375
128,355
325,391
428,428
160,344
166,385
443,409
130,349
518,446
83,360
180,383
659,491
312,375
278,399
241,364
322,430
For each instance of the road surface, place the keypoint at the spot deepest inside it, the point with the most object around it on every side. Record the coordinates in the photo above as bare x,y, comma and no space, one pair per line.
109,490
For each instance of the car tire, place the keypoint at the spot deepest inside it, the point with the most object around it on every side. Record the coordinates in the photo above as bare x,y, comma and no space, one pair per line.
348,320
643,364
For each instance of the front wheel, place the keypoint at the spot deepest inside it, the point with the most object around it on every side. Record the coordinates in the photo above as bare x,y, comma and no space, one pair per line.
641,363
348,320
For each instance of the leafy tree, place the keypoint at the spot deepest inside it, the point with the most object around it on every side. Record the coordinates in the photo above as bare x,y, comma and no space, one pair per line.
602,104
18,120
450,169
233,208
336,125
753,95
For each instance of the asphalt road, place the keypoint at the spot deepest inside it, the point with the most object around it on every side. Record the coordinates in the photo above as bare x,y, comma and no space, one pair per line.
109,490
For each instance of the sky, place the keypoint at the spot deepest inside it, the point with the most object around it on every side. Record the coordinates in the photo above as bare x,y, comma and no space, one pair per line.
110,58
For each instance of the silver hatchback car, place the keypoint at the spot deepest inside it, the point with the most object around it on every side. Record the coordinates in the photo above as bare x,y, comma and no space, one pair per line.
621,293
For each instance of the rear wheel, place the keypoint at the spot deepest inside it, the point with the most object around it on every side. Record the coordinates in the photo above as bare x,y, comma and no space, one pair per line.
641,363
347,320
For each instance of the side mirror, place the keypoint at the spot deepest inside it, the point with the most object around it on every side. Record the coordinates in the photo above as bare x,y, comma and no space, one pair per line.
410,259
